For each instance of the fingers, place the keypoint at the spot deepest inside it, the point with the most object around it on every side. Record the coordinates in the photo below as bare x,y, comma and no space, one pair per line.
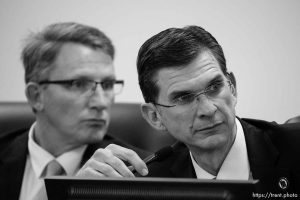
108,162
93,168
130,156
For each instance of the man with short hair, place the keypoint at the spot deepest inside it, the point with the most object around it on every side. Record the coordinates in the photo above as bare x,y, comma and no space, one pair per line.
295,119
190,94
70,85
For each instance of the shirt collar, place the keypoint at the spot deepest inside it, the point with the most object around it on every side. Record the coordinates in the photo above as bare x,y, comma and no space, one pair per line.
71,160
236,163
39,157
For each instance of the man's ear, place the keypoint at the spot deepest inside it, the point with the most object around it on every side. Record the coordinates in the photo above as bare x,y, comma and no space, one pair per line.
34,96
232,80
233,90
152,116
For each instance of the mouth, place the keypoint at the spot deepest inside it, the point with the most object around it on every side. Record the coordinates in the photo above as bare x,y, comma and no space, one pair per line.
95,122
210,127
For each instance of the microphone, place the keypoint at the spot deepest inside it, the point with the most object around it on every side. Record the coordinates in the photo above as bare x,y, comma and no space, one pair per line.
157,156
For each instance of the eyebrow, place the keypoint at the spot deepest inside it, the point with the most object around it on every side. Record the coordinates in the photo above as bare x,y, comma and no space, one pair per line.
215,79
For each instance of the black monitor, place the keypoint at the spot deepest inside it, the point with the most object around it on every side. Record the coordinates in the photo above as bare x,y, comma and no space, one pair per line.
72,188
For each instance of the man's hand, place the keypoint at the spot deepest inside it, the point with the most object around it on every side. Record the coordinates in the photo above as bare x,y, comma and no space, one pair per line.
108,162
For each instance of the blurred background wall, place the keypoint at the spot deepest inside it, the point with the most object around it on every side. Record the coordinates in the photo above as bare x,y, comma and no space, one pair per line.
260,39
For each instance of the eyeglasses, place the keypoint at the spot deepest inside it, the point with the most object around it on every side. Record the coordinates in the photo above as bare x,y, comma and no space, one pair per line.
84,85
187,100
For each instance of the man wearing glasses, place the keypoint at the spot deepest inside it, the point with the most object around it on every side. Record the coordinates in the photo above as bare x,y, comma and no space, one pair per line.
70,85
190,94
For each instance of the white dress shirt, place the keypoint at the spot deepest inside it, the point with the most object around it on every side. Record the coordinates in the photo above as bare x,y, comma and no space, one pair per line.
38,158
236,164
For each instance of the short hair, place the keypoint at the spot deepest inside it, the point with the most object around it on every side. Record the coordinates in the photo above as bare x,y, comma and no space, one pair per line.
295,119
173,47
42,48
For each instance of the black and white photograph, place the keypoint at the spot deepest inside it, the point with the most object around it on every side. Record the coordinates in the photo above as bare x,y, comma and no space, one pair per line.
137,99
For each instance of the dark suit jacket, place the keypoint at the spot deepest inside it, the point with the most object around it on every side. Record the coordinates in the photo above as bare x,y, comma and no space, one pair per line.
273,151
13,152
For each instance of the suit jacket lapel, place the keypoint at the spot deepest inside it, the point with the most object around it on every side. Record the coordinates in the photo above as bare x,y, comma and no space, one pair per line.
13,166
263,157
182,166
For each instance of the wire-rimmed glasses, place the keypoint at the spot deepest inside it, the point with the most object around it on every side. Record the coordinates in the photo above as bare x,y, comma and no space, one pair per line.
187,101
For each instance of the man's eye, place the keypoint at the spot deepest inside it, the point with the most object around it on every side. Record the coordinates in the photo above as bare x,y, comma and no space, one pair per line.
215,88
79,84
184,99
108,85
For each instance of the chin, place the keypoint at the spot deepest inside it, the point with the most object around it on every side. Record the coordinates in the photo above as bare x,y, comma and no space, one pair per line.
94,136
212,142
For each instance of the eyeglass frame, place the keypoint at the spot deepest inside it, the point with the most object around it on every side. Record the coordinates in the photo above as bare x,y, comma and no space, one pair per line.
70,83
195,95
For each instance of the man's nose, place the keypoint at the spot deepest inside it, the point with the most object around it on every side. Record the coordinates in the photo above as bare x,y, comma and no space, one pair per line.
205,106
99,99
